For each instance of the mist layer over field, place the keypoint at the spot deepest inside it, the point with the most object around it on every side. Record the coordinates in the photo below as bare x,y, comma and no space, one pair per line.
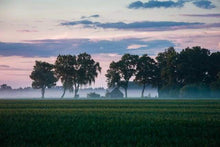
51,93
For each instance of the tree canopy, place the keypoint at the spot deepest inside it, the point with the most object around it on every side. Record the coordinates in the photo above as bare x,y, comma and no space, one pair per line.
64,69
120,72
75,71
146,72
43,76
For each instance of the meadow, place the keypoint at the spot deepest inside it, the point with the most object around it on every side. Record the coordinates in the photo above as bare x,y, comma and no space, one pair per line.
110,122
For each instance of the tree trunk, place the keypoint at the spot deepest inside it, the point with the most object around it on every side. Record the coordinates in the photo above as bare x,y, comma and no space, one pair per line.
76,90
64,91
126,90
142,93
42,92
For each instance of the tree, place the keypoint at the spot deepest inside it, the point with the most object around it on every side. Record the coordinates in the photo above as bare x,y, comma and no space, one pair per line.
43,76
120,72
113,76
193,66
167,64
86,71
147,72
214,66
65,70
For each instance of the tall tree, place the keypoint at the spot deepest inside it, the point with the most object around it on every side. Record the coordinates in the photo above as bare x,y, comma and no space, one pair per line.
120,72
167,63
86,71
113,76
193,65
43,76
65,69
214,66
147,72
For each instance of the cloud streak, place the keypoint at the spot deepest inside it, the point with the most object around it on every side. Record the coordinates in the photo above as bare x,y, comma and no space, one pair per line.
204,4
47,48
142,25
202,15
91,16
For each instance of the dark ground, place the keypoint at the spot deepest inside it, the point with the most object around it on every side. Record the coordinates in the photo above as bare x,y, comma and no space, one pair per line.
109,122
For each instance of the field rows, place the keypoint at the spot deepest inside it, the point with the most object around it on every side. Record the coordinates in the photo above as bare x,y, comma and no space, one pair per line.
110,122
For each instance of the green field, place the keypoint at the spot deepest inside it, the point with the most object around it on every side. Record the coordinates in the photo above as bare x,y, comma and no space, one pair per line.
110,122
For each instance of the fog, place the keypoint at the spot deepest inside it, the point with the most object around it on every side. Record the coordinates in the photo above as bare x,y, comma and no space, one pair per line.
56,93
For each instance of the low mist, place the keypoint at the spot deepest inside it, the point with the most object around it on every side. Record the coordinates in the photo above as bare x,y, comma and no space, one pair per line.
56,93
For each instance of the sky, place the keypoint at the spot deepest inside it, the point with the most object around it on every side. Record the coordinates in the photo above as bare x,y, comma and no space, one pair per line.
33,30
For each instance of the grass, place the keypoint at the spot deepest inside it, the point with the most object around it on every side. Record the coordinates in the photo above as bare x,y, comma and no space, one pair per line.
109,122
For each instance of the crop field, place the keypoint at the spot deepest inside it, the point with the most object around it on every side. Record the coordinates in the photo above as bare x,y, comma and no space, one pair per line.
109,122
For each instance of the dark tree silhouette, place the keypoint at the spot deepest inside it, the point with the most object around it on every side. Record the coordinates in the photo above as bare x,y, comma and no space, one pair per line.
147,72
65,71
75,71
86,71
214,66
120,72
113,75
193,65
167,63
43,76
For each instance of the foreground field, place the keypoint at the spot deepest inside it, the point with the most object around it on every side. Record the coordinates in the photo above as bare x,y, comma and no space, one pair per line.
110,122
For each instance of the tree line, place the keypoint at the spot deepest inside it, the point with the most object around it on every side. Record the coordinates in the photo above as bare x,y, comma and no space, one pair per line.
73,71
193,72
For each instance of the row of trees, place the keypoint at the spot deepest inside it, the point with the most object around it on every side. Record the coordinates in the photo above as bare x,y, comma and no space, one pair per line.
143,68
194,72
73,71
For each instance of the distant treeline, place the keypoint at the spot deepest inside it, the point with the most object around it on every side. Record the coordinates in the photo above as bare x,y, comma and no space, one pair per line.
194,72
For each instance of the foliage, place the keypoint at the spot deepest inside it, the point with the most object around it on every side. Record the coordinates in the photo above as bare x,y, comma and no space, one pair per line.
214,66
167,63
120,72
171,73
43,76
193,65
190,69
75,71
146,72
64,69
109,122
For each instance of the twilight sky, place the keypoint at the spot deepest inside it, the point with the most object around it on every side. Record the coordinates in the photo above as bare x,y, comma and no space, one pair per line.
42,29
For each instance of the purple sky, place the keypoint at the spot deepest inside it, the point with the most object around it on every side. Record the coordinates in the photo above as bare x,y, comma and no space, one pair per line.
40,30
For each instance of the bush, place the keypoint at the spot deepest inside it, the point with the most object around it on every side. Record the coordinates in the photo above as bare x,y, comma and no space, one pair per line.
93,95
